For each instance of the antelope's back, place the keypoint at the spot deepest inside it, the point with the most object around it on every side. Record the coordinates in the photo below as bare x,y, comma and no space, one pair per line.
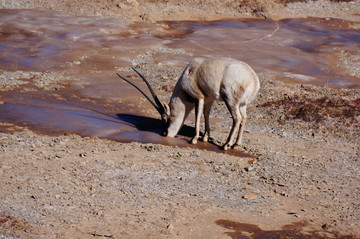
202,78
206,78
241,80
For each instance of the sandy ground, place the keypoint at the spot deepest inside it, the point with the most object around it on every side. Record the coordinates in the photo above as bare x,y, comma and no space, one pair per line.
302,183
151,10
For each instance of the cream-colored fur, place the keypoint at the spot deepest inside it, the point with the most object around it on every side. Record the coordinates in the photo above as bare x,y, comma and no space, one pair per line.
204,81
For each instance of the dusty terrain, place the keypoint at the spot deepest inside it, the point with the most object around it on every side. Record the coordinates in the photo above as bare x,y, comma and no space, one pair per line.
303,181
151,10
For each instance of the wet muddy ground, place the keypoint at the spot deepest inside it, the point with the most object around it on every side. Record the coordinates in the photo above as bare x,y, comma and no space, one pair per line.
296,176
89,50
307,50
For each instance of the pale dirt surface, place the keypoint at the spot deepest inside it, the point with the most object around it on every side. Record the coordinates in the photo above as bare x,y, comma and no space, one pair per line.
152,10
305,139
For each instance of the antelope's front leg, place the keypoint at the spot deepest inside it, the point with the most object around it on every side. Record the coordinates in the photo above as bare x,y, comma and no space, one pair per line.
207,108
198,112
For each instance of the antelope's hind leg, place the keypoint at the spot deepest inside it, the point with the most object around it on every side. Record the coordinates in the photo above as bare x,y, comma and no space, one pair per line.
235,113
242,125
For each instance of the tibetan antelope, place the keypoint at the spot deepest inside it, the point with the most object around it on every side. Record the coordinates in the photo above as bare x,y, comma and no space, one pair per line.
203,81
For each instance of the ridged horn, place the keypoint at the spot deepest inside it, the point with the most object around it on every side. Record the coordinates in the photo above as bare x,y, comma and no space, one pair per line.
158,102
158,105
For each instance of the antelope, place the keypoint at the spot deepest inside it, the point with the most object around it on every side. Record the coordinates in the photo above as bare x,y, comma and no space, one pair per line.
203,81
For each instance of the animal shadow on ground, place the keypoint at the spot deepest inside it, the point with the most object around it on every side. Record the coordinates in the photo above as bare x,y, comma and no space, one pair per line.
144,123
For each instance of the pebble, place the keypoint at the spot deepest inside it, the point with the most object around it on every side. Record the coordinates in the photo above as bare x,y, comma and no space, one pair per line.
250,196
103,234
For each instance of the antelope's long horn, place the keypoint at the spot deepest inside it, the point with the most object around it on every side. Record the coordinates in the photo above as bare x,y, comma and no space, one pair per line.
158,102
158,108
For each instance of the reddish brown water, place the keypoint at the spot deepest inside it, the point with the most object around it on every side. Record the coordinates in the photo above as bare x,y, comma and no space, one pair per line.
299,50
291,231
91,49
68,113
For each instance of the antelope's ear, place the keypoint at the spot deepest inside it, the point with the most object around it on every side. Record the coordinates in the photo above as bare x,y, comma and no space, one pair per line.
166,113
166,108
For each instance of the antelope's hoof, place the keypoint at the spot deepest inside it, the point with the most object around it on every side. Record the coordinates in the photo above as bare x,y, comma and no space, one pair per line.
194,140
226,147
205,138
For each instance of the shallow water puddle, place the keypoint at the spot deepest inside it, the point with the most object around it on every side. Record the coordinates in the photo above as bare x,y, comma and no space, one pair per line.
300,50
64,112
40,40
92,49
295,230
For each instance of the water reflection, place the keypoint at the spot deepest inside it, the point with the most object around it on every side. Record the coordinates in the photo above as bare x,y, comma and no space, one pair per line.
71,114
46,40
298,47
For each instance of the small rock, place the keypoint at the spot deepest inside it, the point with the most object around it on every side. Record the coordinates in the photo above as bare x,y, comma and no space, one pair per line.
325,226
170,227
284,194
103,234
249,196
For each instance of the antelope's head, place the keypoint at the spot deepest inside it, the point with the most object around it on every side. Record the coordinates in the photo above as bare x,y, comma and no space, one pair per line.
161,107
